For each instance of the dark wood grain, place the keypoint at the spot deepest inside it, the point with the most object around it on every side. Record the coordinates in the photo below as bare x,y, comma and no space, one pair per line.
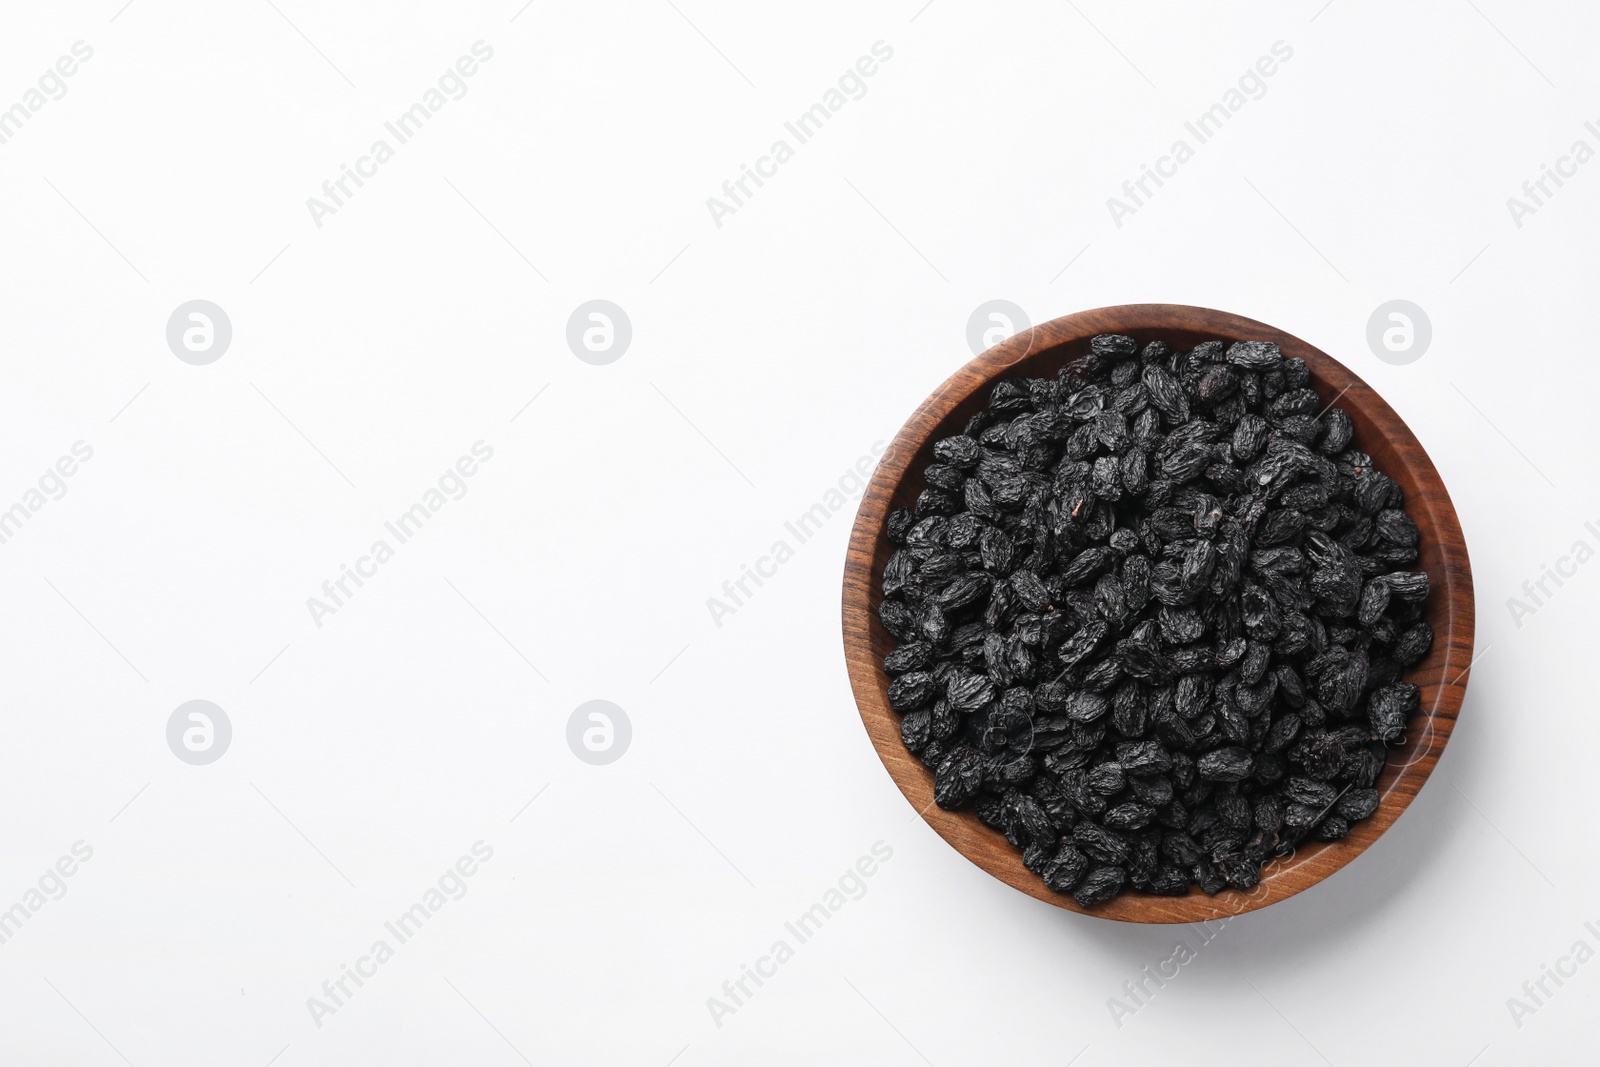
1042,351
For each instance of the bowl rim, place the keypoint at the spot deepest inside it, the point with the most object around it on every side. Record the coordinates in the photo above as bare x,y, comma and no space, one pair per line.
1442,675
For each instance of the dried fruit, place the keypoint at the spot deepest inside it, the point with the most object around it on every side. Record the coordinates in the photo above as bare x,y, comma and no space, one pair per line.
1153,618
1101,885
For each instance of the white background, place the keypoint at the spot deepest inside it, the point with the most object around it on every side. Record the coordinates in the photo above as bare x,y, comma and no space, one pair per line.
768,355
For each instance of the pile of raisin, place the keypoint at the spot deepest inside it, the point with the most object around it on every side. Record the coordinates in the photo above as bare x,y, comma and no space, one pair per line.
1152,617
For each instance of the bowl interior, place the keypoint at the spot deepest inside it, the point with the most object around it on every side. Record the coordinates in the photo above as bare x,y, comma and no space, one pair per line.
1041,352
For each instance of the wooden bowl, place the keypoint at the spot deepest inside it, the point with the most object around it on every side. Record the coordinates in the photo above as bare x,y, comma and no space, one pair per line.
1041,351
